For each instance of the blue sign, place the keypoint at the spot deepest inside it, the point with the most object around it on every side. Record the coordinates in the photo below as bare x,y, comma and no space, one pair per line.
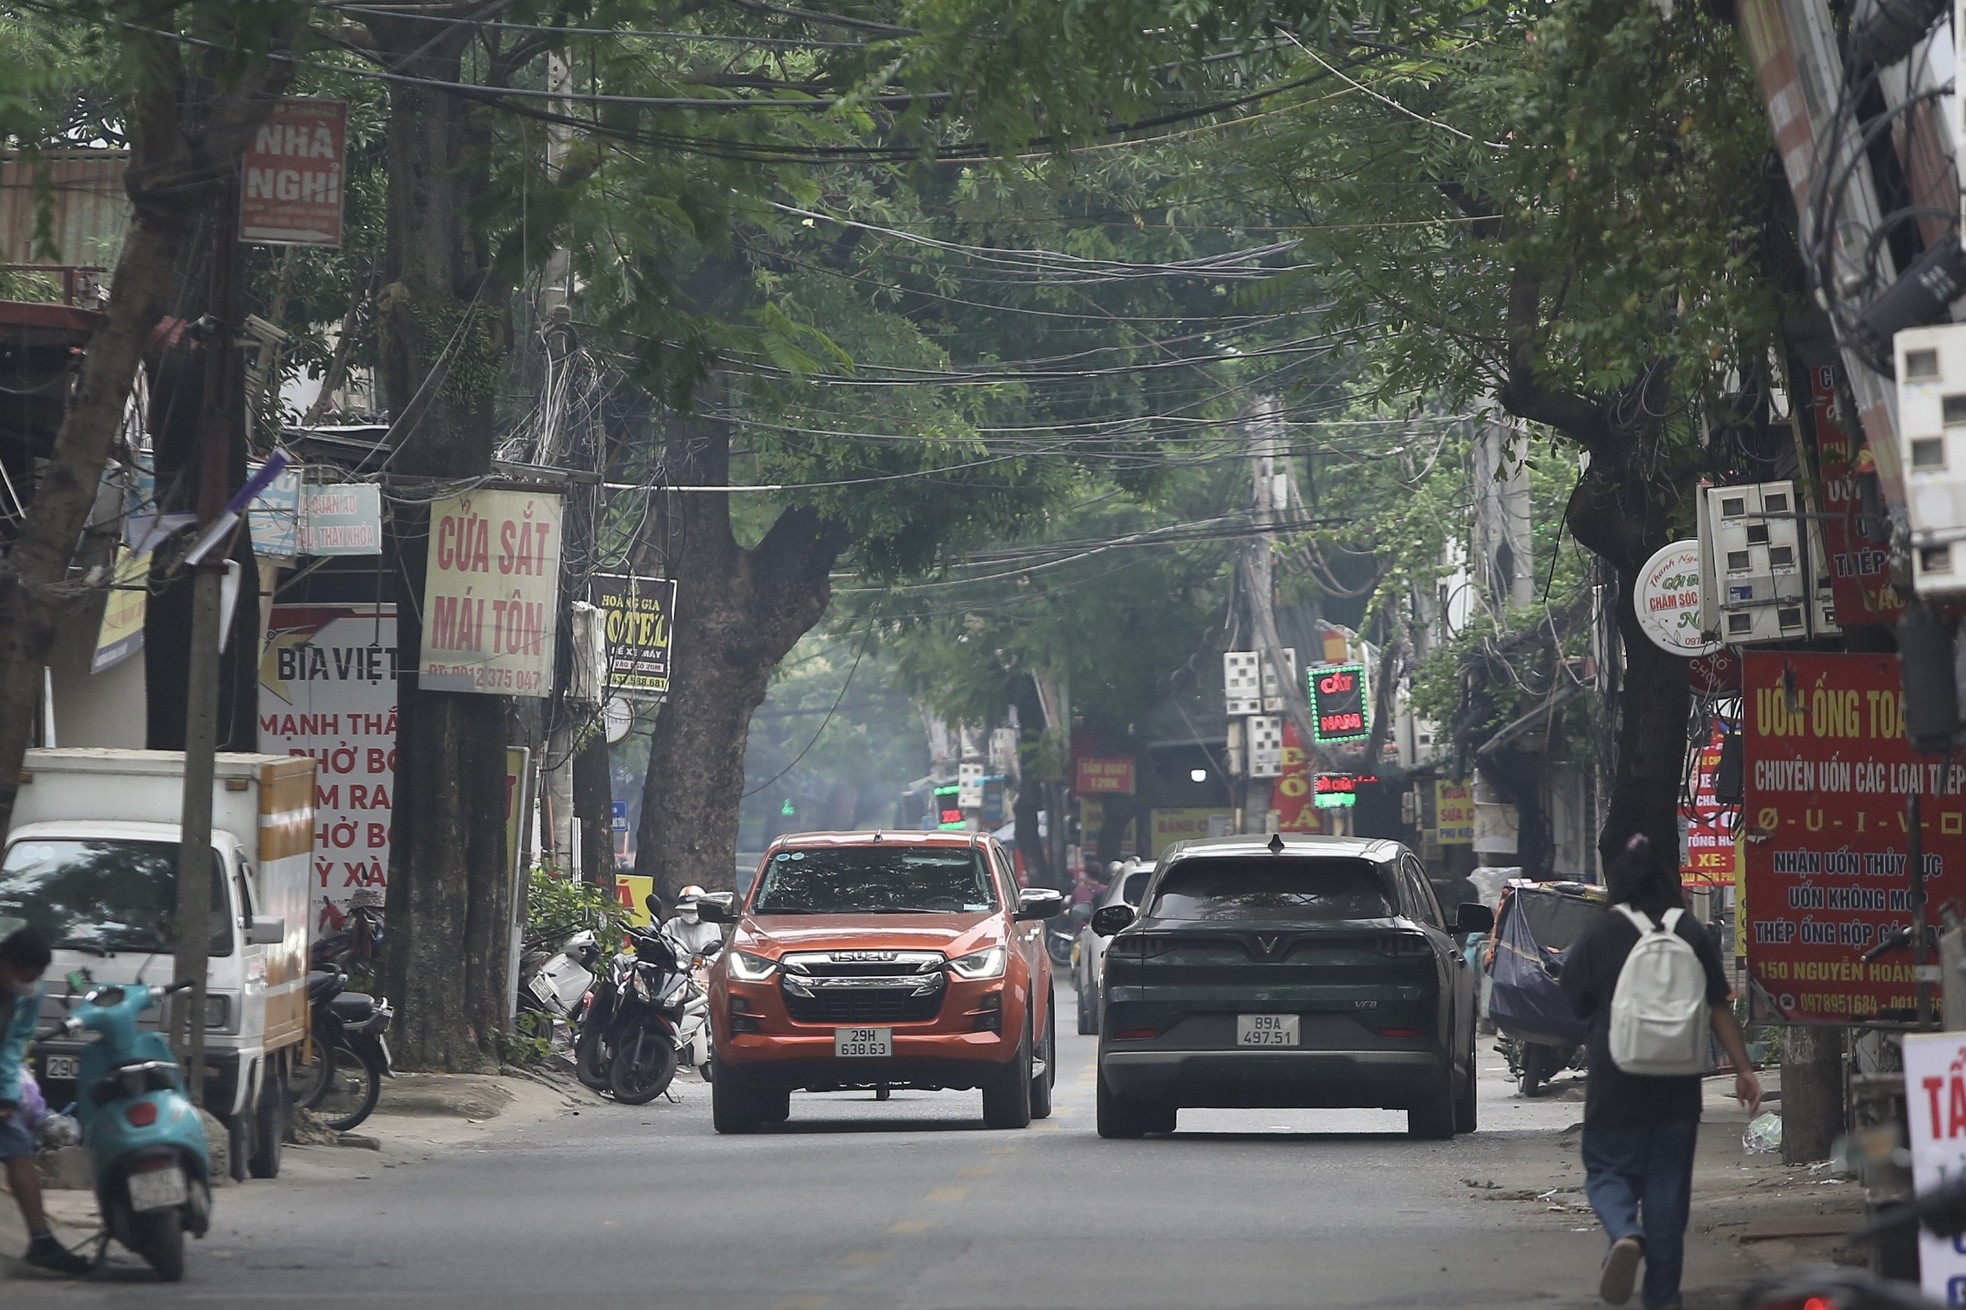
621,816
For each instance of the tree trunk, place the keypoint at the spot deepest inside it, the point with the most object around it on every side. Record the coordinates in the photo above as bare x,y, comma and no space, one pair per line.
738,613
1030,790
1812,1092
172,174
443,337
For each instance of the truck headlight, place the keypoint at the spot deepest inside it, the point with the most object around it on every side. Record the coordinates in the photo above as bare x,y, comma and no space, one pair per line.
746,967
978,966
218,1011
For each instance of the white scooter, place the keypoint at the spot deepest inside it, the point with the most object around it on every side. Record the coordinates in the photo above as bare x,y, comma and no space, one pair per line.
693,1033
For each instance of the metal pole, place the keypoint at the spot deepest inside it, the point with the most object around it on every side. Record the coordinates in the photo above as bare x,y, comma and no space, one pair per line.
222,411
1915,849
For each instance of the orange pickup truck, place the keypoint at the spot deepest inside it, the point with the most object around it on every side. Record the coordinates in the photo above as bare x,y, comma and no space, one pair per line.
880,960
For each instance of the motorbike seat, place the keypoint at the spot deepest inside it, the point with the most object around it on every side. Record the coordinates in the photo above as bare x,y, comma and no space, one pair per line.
353,1007
322,984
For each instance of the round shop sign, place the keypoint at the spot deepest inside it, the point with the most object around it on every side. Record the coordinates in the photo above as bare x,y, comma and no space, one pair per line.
1668,601
617,717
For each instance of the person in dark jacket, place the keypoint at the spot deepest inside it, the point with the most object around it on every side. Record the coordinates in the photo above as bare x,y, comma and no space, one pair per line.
1640,1130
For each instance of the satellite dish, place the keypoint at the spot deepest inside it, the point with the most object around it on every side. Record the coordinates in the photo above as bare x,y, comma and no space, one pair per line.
617,717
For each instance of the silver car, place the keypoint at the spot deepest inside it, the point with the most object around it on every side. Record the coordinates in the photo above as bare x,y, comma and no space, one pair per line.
1126,888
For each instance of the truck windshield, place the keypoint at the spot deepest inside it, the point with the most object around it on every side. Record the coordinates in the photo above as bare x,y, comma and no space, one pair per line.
875,880
1270,887
105,894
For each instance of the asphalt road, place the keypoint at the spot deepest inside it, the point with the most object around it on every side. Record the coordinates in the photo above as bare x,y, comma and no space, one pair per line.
908,1203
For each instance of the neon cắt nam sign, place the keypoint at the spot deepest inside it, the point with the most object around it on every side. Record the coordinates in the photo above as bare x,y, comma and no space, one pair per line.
1338,710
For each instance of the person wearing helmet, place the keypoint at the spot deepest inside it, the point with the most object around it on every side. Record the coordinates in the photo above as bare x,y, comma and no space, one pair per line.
686,928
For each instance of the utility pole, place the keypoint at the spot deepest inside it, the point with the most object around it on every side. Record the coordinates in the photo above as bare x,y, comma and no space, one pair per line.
1263,425
557,337
221,413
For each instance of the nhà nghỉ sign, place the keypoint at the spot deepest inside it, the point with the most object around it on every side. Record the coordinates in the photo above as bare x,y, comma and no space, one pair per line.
1828,774
291,175
490,594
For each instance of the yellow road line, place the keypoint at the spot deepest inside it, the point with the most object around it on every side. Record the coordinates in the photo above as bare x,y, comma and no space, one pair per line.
1005,1150
978,1171
909,1227
947,1195
861,1259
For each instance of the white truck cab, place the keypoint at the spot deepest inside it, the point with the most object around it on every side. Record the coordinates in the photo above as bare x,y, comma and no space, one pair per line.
92,862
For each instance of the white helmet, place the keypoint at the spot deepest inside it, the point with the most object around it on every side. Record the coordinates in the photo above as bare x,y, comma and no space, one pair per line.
686,902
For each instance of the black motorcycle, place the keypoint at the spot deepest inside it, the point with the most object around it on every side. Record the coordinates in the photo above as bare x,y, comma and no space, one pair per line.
645,1013
347,1056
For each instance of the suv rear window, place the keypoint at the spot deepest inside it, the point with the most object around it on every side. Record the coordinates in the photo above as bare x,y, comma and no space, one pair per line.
1135,886
875,880
1271,887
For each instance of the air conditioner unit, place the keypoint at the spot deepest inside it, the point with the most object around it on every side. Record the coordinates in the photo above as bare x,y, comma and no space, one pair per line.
1932,445
1242,686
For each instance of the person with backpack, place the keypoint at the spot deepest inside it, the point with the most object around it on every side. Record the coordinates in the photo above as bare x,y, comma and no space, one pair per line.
1651,983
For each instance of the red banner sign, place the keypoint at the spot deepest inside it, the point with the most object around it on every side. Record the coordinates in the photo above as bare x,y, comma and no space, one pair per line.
1859,569
1711,852
1096,775
1828,849
1292,797
290,192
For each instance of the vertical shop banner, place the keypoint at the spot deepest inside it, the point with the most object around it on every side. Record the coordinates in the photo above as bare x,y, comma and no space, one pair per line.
638,613
123,609
491,593
1713,856
1935,1108
1454,813
290,193
1859,570
1827,849
1290,795
327,689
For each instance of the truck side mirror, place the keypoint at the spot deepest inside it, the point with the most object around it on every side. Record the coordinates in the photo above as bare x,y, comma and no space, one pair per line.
1039,903
266,930
717,907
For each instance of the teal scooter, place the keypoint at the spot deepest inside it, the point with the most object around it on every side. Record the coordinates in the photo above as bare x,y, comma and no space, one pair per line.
146,1143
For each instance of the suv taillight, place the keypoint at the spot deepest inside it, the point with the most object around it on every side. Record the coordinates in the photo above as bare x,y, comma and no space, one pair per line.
1404,945
1141,946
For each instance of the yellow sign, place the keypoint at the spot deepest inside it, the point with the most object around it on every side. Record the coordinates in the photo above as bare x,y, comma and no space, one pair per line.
1092,822
1740,905
1171,826
1454,813
491,593
635,892
121,634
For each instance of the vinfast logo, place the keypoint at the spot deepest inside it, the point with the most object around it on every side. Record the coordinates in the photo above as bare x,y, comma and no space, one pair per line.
1338,706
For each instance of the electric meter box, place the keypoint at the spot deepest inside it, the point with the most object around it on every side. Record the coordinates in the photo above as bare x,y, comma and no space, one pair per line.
1931,365
1242,687
1265,746
1272,689
1755,547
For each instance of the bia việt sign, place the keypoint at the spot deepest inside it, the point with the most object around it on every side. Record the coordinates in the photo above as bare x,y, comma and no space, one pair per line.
1338,702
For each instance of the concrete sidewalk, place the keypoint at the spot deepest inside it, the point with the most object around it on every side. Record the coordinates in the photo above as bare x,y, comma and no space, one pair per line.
421,1116
1751,1213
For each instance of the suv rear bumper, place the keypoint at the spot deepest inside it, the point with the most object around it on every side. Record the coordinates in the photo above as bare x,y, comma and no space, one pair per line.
1394,1080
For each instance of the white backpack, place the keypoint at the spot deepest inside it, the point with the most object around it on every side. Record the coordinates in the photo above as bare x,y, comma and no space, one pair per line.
1659,1009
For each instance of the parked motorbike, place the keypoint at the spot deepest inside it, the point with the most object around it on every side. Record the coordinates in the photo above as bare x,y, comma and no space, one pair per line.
644,1029
356,945
693,1039
1942,1212
146,1142
1535,923
1058,943
556,983
340,1076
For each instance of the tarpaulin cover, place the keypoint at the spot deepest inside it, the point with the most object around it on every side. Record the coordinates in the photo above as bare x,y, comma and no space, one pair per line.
1536,925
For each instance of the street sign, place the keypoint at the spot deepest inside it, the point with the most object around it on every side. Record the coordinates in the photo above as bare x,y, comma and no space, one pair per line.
343,518
290,193
491,593
620,816
1828,773
1667,600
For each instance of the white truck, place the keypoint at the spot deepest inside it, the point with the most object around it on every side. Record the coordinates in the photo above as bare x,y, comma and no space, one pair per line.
92,861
